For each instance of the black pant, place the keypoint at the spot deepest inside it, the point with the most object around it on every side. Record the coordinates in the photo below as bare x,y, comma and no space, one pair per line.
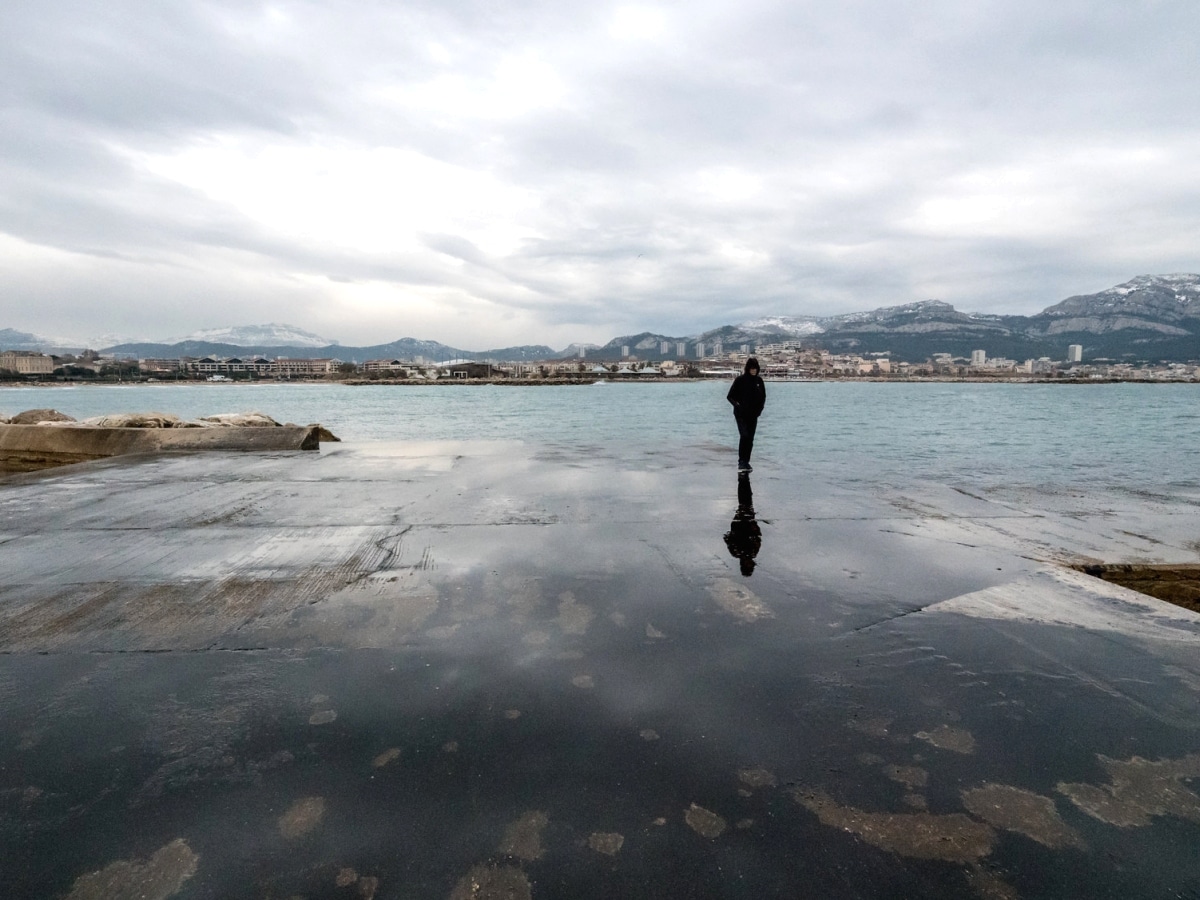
746,424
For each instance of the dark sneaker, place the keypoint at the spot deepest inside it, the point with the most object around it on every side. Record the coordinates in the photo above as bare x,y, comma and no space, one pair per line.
744,467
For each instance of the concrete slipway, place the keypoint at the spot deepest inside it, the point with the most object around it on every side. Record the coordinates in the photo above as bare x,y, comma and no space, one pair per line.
489,670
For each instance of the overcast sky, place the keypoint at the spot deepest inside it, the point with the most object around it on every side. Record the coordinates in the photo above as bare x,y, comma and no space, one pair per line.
487,173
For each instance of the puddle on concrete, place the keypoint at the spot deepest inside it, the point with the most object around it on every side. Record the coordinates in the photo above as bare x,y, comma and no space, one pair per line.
1139,789
493,883
704,822
523,838
158,878
947,737
607,842
302,817
1027,813
1174,584
953,837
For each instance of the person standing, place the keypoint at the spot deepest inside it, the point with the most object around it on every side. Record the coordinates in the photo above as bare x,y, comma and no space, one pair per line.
748,395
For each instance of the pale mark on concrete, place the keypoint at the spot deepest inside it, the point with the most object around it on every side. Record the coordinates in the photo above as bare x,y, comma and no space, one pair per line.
916,801
946,737
322,717
573,617
909,776
704,822
586,682
648,734
1024,812
493,883
302,817
523,838
389,755
1140,788
159,877
757,778
739,601
921,835
608,843
876,726
653,633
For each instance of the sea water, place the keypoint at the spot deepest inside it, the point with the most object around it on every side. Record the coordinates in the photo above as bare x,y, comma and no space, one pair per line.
1125,436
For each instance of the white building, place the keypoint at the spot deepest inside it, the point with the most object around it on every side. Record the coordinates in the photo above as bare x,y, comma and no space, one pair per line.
978,358
1075,353
26,362
681,348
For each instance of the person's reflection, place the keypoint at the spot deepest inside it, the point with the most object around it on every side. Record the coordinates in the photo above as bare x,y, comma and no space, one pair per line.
744,537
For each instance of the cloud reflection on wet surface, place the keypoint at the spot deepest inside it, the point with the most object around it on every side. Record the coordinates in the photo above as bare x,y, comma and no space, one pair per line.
599,704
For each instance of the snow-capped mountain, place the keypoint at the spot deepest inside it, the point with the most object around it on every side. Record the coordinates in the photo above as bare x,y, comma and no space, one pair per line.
270,335
1155,303
799,326
576,349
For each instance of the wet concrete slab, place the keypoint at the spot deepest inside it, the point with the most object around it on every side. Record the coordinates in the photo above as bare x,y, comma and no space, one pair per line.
489,670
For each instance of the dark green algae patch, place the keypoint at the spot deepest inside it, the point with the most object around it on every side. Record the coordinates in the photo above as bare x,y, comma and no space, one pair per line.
1177,584
588,709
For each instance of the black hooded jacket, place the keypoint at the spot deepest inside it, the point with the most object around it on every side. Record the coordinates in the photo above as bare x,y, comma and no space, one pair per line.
748,394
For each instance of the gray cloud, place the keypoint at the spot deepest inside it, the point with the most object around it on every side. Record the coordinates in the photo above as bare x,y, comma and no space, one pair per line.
486,173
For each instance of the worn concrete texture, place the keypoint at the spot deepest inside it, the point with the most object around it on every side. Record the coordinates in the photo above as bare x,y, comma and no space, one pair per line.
490,670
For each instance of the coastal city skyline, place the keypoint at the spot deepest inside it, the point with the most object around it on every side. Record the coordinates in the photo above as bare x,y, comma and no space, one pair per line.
528,174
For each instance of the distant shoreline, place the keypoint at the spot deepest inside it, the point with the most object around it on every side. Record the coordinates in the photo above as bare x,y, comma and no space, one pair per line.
595,379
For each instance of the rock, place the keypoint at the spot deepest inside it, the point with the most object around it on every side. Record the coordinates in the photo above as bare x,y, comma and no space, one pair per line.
138,420
37,416
324,435
242,420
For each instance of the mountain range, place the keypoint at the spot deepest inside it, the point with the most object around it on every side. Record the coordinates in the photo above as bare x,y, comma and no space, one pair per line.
1151,317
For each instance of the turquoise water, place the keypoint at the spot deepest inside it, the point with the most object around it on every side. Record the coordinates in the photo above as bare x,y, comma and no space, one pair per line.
1132,436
